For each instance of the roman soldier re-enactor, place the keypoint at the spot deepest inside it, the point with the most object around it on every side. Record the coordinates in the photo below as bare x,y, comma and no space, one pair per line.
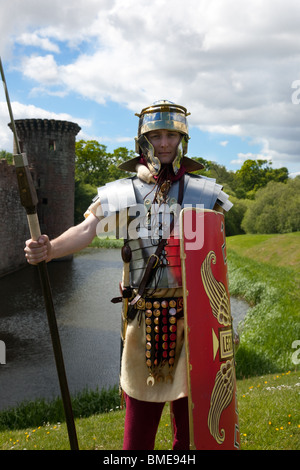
153,364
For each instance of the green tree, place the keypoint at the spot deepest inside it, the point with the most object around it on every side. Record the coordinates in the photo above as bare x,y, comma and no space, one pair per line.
219,172
234,218
119,155
91,162
255,174
6,156
276,209
84,194
94,167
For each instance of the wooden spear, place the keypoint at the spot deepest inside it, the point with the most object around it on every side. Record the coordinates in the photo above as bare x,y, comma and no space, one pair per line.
29,201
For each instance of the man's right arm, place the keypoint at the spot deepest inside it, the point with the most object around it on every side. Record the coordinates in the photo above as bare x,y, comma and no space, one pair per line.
74,239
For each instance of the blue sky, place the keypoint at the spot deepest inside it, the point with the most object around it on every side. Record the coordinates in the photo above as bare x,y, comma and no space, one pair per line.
234,65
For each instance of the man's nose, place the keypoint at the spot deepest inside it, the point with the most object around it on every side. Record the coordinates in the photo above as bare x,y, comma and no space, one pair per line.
163,141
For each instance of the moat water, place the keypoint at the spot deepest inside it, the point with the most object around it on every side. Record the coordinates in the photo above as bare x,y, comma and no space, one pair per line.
89,327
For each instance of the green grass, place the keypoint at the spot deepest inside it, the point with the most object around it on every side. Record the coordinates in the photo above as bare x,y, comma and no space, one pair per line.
269,416
110,242
276,250
263,269
38,412
272,289
268,419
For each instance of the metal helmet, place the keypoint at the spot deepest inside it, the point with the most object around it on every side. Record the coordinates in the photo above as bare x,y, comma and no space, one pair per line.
162,115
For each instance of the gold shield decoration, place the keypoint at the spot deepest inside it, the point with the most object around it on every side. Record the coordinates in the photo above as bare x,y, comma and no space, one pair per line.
213,414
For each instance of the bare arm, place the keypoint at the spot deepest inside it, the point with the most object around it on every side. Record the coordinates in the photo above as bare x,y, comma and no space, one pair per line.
73,240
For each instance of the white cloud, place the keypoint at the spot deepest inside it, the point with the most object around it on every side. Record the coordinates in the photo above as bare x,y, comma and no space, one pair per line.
42,69
233,67
33,39
21,111
242,157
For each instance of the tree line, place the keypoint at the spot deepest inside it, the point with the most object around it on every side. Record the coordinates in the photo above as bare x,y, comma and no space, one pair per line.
265,200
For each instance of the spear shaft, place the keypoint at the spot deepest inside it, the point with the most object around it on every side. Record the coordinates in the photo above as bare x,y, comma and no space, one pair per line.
29,201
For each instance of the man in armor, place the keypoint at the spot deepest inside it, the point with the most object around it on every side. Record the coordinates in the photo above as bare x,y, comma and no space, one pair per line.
144,211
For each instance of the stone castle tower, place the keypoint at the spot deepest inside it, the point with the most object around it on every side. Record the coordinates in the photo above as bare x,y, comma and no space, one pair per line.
50,149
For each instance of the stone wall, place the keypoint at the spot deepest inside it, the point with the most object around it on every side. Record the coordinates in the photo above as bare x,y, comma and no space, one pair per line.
13,221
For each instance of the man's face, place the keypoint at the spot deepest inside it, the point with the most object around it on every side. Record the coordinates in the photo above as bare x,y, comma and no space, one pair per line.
165,144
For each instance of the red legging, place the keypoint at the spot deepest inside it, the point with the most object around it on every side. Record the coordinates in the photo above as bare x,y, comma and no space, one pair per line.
142,420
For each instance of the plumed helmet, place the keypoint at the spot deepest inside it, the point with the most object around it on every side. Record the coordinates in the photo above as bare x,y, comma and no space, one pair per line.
162,114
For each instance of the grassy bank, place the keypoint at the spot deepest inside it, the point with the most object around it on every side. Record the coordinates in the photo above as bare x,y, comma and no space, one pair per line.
263,269
269,279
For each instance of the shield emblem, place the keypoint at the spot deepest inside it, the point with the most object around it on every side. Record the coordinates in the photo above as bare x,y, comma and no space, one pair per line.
213,414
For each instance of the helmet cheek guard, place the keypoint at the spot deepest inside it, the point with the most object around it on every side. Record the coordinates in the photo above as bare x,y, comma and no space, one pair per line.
181,151
144,147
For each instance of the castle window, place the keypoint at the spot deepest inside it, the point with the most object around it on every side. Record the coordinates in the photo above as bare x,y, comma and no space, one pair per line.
52,145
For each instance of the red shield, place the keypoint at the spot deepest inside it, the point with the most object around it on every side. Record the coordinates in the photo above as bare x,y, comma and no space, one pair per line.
213,412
